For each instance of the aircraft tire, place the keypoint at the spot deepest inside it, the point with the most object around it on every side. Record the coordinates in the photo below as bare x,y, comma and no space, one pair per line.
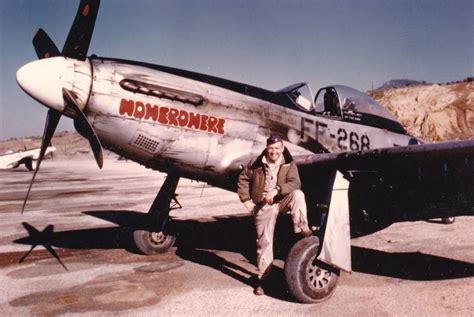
448,220
31,164
307,280
149,242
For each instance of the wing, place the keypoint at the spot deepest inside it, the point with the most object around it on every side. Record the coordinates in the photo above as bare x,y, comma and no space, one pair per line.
12,160
404,183
370,159
9,161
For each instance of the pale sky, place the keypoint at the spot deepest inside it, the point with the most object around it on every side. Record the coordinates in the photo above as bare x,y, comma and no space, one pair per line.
270,44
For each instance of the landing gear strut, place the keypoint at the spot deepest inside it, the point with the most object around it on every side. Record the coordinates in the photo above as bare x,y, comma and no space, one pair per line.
154,239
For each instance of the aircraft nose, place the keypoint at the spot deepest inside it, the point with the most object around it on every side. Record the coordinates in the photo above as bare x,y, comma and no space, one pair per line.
44,79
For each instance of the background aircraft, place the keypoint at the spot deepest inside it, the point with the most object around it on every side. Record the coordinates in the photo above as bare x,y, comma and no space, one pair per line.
27,157
205,128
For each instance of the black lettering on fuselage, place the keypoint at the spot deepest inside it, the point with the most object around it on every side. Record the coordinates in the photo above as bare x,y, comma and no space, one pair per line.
346,140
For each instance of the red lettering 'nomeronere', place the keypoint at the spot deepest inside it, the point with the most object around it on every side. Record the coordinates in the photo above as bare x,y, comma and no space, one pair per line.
171,116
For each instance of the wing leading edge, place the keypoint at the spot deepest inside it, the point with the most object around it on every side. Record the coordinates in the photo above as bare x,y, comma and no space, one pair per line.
371,159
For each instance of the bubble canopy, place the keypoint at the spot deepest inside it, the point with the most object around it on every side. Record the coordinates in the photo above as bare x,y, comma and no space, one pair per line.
355,104
352,99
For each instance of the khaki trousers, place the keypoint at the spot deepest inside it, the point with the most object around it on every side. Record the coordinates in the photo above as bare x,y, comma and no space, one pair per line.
265,220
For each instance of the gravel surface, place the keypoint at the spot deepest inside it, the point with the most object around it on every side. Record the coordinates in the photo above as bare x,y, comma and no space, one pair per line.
419,268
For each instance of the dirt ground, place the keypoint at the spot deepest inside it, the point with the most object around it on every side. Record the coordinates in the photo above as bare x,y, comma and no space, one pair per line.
86,216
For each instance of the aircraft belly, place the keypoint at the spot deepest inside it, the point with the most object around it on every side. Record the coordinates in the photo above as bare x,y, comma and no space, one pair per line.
8,162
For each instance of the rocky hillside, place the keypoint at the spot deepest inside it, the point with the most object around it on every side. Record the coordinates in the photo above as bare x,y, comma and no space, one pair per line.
399,83
434,112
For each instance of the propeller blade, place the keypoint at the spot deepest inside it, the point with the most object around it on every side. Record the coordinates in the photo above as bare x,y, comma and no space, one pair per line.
80,34
52,120
44,46
83,127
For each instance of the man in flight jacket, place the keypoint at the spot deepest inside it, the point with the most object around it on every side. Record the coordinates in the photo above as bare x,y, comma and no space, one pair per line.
268,186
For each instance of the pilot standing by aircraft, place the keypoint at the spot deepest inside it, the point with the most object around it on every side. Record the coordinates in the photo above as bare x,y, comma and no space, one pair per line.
270,185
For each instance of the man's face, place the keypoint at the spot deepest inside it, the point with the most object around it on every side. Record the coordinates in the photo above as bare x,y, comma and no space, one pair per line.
274,151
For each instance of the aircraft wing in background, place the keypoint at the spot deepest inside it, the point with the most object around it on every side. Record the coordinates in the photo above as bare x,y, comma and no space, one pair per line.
28,157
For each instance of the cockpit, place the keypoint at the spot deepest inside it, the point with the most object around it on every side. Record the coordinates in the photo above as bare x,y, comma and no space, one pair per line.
342,103
348,102
331,103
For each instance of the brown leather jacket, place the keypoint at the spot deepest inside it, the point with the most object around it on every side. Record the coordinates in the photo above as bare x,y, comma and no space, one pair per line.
252,178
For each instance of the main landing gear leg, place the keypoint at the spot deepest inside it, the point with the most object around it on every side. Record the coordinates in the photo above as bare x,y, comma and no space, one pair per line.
154,240
312,271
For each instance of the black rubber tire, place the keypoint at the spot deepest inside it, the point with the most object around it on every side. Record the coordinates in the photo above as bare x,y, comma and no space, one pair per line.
31,164
309,280
150,243
448,220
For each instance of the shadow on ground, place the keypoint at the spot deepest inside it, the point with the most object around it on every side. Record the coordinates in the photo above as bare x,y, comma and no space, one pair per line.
198,241
410,265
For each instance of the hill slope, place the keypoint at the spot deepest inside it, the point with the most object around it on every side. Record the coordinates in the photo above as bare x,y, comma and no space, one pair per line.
432,112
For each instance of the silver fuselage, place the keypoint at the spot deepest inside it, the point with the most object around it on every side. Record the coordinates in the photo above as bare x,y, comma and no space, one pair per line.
199,126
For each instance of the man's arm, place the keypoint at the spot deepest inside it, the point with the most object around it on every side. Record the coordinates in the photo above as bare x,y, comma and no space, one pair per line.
243,184
243,188
292,181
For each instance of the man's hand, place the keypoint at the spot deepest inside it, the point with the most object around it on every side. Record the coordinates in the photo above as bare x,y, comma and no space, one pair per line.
268,198
249,205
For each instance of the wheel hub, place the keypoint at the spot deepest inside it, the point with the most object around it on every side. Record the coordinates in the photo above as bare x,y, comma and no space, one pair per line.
157,237
317,277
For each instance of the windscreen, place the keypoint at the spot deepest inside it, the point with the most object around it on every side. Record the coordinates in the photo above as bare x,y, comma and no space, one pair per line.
356,101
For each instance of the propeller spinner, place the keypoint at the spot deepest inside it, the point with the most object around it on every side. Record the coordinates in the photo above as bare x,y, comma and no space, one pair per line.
50,80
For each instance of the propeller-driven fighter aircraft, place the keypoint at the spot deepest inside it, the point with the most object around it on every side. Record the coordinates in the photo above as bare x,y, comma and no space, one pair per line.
361,171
